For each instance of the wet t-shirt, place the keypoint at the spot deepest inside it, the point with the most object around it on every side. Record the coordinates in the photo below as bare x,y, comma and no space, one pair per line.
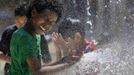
23,46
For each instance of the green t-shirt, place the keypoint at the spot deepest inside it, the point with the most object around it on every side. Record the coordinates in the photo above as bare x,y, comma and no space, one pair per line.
23,46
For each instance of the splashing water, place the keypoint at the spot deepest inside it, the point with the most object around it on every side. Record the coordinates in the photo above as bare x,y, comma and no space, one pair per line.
112,59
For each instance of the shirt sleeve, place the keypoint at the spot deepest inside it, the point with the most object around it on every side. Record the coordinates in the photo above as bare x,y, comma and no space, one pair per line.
4,42
90,46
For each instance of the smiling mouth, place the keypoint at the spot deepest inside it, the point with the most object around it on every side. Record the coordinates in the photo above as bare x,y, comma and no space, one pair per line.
42,28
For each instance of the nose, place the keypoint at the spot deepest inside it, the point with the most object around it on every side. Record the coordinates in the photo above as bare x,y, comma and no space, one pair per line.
51,23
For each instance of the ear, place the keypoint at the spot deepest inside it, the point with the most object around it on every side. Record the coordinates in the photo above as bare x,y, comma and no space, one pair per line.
34,12
77,37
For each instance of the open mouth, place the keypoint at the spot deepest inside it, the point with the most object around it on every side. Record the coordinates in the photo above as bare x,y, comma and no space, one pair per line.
45,28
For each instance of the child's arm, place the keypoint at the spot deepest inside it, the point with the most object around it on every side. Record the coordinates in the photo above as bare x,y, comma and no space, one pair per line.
5,58
37,69
54,68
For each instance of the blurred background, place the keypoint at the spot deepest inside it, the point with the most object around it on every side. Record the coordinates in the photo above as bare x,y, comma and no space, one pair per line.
7,12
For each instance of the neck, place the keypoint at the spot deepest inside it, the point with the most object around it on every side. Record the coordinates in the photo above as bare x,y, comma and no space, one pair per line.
30,28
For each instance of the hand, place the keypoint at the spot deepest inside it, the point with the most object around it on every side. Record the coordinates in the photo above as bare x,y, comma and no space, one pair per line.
57,38
72,60
5,58
60,43
8,60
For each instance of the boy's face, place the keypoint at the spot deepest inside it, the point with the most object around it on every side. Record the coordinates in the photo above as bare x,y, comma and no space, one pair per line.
44,21
20,21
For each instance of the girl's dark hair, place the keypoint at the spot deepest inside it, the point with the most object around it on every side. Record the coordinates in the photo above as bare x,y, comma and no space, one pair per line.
41,5
20,10
68,28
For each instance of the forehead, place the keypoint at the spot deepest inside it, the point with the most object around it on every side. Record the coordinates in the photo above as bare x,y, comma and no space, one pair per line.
20,17
51,15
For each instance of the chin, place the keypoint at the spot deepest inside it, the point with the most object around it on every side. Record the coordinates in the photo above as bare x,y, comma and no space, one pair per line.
40,32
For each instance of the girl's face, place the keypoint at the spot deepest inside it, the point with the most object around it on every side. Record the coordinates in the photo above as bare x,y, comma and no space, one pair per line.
43,22
75,42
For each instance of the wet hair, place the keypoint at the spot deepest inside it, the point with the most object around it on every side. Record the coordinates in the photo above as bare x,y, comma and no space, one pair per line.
41,5
20,10
68,28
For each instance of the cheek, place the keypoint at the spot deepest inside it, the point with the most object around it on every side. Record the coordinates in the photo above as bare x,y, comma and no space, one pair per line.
40,21
50,28
21,21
